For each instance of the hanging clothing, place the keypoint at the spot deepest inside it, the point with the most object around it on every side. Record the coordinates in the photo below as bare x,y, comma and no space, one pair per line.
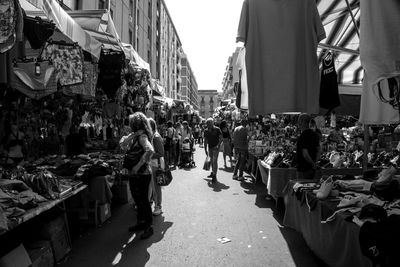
243,91
329,90
32,85
37,31
380,58
11,24
110,66
88,87
281,39
67,60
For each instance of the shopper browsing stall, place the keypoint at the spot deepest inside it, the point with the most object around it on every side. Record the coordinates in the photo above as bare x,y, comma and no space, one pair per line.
227,141
240,142
137,164
308,149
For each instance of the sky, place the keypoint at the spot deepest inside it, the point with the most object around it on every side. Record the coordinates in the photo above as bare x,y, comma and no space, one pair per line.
207,30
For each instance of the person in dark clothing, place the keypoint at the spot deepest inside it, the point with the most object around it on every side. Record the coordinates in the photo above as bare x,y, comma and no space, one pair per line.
212,141
227,141
139,151
308,150
74,143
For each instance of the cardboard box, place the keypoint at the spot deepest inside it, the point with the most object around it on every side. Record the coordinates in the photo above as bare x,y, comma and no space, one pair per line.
57,234
41,254
121,192
104,212
17,257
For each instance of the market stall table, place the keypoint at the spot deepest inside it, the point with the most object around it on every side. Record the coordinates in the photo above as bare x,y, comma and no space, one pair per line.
45,207
335,242
277,178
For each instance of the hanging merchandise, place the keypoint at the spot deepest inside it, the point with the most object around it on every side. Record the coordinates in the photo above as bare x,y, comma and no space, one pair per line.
281,39
34,79
88,87
243,91
329,90
138,83
67,60
380,58
11,24
37,31
110,67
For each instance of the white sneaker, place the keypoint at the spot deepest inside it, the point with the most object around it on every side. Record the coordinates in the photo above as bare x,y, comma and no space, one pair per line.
157,211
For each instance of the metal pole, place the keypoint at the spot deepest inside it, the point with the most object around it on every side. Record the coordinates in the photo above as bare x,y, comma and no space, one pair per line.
353,18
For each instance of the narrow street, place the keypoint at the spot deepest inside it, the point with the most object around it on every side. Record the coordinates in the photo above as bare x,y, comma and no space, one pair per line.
196,214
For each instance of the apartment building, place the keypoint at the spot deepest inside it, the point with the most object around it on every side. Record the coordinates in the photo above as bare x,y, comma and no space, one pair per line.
231,76
148,26
189,84
208,102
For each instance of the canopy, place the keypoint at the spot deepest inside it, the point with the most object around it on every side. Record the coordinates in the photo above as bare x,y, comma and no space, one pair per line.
342,38
67,25
134,57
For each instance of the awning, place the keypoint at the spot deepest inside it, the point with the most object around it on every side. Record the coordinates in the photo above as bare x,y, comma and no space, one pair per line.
67,25
134,57
342,38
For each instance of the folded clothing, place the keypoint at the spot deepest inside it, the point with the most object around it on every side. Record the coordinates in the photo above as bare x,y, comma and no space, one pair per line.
354,185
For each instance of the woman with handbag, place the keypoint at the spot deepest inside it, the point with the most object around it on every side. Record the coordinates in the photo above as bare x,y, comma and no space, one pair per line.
157,163
139,151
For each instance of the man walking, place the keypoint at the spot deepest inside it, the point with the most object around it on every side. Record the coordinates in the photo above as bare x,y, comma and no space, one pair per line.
240,143
212,141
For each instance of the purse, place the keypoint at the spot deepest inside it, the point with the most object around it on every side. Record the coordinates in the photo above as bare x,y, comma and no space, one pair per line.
207,164
163,177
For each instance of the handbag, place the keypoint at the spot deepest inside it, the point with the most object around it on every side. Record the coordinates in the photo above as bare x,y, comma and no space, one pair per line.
163,177
207,164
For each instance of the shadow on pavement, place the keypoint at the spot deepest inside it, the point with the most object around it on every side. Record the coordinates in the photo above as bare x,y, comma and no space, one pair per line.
217,186
227,169
299,249
135,249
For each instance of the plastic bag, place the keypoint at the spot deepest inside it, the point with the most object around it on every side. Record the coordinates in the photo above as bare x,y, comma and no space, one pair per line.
207,164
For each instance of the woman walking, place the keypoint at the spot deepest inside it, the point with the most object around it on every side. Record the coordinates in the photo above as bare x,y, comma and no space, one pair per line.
227,141
157,162
139,151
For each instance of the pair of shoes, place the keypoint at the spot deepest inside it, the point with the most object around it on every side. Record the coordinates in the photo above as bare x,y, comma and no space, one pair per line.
211,175
137,227
147,233
386,175
214,178
325,189
235,177
240,178
157,211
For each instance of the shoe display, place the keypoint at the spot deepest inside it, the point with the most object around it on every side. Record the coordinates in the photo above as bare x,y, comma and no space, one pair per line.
157,211
147,233
325,189
386,175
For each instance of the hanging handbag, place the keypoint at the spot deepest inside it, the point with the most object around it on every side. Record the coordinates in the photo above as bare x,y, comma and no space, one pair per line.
207,164
67,59
163,175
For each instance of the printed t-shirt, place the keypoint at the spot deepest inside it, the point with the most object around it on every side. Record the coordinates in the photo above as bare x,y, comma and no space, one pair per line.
380,58
308,140
281,39
212,136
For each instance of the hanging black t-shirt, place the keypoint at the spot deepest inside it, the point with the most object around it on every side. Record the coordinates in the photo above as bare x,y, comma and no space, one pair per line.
308,140
329,91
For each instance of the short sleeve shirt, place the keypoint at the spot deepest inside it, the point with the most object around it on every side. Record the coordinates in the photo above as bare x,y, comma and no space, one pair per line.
308,140
212,136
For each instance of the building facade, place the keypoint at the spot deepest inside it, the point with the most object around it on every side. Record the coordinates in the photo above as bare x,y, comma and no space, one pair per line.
208,102
189,87
146,25
231,76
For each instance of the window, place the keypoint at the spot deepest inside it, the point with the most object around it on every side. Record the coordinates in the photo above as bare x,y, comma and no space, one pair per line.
149,9
137,44
130,36
131,7
102,4
148,56
112,13
78,4
137,16
149,32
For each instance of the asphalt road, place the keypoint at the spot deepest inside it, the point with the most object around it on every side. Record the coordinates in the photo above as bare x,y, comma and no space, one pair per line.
195,214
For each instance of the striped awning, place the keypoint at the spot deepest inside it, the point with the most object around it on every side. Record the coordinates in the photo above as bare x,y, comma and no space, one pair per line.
342,38
67,25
